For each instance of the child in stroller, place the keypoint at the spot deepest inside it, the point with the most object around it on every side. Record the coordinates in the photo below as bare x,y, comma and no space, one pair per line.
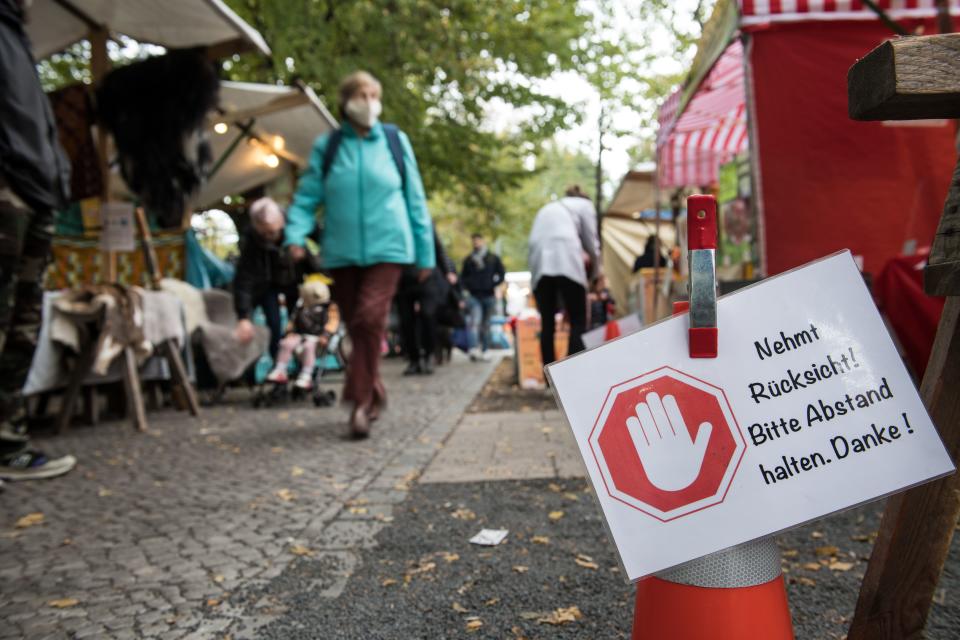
309,333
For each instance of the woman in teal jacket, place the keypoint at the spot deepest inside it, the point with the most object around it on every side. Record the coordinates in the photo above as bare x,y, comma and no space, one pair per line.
374,221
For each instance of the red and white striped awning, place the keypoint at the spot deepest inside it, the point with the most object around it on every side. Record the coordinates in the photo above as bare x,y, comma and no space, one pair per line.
710,131
766,11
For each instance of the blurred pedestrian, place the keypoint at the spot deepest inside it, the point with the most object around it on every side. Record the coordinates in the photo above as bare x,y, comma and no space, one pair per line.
265,272
603,308
481,274
418,304
375,221
34,180
564,254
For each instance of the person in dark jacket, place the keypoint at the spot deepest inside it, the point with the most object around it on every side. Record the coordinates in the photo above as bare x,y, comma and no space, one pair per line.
265,271
418,303
34,180
482,273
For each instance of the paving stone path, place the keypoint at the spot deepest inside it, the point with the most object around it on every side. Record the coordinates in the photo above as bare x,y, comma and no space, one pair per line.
153,533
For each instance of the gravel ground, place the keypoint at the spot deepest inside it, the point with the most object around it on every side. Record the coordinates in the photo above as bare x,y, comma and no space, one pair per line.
424,580
502,393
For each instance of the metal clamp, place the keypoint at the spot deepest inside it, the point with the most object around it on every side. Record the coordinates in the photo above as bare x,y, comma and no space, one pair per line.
701,256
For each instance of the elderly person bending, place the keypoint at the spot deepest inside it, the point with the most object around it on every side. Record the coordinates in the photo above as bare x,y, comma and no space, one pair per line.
375,220
265,271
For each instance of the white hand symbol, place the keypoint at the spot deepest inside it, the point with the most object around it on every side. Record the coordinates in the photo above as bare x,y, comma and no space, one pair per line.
670,458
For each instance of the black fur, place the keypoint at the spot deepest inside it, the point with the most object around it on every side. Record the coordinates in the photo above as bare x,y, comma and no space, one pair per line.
155,110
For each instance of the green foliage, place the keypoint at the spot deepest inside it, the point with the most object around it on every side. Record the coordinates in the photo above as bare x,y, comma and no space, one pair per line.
509,221
441,66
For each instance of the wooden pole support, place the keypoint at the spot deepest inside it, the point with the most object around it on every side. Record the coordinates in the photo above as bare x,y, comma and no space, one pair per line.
906,79
917,525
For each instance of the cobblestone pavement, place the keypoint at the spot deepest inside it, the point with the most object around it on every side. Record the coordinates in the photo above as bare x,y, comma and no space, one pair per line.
152,533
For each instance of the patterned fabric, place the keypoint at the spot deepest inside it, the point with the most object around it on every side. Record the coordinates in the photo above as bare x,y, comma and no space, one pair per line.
78,261
24,253
71,109
763,11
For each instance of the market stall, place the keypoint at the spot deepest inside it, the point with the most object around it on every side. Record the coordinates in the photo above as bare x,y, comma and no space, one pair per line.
769,83
628,223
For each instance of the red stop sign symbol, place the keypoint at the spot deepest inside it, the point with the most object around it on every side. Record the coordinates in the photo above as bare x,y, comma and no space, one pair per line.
667,444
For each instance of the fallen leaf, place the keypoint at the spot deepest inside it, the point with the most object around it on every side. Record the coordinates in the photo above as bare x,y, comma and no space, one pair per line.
218,579
540,540
473,624
29,520
297,471
546,430
276,450
860,538
841,566
423,567
213,602
587,564
555,515
67,542
491,602
464,514
816,535
459,608
103,492
286,495
300,550
64,603
571,496
283,415
388,582
812,566
791,553
407,480
827,550
553,486
358,510
810,582
383,518
357,502
449,557
562,616
519,568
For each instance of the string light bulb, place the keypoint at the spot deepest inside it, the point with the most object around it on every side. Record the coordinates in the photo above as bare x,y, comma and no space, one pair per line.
221,127
278,143
271,160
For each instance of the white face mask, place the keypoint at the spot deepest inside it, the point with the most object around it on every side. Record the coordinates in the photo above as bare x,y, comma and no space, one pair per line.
364,112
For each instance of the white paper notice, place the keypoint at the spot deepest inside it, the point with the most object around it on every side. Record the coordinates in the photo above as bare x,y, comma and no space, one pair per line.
808,410
117,227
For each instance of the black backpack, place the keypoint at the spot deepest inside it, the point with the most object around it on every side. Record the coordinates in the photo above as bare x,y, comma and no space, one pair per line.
393,141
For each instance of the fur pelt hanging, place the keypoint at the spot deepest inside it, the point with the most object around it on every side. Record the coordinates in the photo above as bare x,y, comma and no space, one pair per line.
155,110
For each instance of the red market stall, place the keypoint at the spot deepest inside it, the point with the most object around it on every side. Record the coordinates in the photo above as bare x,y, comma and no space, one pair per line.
769,82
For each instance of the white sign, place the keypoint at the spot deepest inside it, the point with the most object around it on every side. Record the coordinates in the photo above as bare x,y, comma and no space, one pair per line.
116,219
808,410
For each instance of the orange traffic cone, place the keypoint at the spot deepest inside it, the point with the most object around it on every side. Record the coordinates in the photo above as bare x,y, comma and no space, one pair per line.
737,594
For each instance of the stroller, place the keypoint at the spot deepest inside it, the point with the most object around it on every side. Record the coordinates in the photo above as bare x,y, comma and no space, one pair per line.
315,325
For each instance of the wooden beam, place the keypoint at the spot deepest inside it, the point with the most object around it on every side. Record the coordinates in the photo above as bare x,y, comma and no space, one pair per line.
942,275
282,103
907,79
918,525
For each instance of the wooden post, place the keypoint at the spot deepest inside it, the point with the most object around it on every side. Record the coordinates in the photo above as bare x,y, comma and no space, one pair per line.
169,349
905,79
99,67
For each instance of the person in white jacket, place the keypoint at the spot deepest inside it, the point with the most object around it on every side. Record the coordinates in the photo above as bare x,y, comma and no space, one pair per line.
564,256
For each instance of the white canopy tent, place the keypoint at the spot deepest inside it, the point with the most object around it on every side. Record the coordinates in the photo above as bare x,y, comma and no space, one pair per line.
263,131
54,25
